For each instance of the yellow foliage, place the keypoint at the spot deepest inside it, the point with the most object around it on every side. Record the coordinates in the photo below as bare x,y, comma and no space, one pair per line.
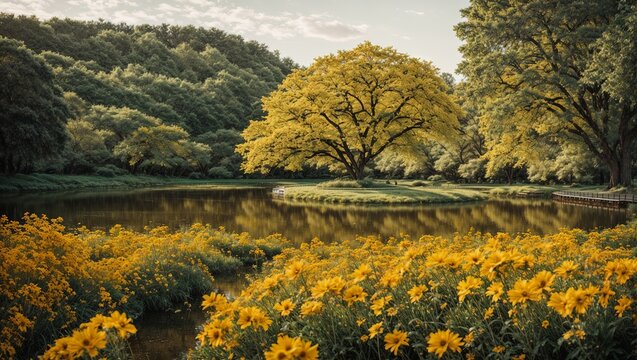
346,109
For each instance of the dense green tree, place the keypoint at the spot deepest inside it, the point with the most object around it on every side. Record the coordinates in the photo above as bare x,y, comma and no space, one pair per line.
163,148
225,162
32,109
558,69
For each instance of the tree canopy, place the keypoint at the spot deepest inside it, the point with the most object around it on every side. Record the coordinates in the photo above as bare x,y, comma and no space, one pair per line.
554,72
118,78
33,112
344,110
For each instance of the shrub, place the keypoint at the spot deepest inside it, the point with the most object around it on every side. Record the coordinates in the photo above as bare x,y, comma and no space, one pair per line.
196,175
418,183
51,279
105,172
356,184
567,295
219,172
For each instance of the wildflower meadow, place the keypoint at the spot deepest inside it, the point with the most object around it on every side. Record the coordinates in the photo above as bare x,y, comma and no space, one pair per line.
567,295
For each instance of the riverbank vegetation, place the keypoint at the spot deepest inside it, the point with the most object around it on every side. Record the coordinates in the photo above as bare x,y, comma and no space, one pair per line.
53,278
565,295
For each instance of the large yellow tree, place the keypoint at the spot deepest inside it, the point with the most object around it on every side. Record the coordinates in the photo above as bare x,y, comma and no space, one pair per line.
346,109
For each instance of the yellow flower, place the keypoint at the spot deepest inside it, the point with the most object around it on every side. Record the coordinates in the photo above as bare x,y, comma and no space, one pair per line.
213,300
605,294
416,293
306,351
492,264
253,316
622,305
376,329
524,291
498,349
578,333
333,285
354,294
361,273
468,339
578,300
488,313
285,307
294,269
558,302
543,281
89,340
545,324
566,268
395,340
443,340
61,350
378,305
311,307
121,323
495,290
283,349
465,286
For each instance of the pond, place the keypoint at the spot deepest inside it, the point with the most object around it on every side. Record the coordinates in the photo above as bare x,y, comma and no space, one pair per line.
167,335
256,212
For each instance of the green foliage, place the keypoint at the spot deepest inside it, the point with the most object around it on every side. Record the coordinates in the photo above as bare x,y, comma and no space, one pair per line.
119,78
33,112
550,74
364,183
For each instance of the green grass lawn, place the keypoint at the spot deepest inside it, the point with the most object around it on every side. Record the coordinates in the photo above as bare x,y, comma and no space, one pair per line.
382,193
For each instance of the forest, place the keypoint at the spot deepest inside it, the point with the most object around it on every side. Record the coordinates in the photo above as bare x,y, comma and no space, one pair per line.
103,98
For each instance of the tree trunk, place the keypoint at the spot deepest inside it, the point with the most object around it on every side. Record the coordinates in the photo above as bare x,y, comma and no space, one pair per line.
613,172
626,165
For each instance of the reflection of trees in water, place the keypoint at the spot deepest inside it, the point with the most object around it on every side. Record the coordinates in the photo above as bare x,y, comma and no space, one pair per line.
253,210
300,222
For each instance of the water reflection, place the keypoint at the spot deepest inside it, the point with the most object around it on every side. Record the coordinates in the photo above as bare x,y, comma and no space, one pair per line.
254,211
167,335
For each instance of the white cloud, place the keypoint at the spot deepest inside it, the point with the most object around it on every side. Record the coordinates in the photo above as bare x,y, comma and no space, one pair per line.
322,27
217,13
284,25
414,12
39,8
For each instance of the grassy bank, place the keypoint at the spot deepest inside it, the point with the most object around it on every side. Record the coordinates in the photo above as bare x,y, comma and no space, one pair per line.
415,191
565,296
45,182
52,278
51,182
388,194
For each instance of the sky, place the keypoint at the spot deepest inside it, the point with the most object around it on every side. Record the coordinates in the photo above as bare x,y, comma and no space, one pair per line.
299,29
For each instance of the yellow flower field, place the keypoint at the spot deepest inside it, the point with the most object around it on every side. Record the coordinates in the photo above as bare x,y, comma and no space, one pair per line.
53,278
567,295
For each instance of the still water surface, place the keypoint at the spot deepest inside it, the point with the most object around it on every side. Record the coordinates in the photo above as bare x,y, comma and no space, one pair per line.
256,212
166,335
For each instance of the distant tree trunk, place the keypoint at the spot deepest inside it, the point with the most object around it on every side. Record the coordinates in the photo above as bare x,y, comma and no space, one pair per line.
626,162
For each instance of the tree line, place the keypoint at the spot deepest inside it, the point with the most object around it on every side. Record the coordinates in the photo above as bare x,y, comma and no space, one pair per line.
83,97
